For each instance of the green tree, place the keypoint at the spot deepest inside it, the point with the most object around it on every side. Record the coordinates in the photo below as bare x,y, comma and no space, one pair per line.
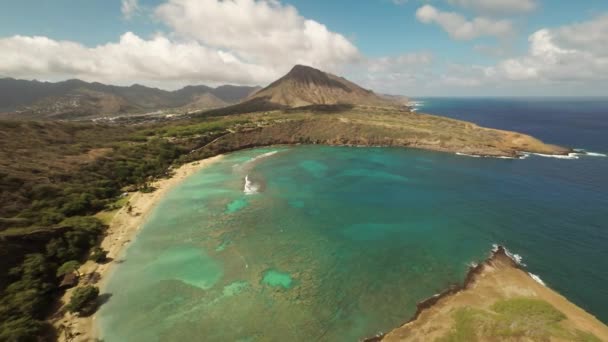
83,299
20,329
98,255
68,267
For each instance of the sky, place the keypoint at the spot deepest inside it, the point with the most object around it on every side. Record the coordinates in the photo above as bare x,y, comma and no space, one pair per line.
405,47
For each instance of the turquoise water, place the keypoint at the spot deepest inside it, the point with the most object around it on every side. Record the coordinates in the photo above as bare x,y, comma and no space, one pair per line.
340,243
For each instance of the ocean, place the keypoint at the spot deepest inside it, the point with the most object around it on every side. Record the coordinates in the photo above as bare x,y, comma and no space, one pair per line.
337,243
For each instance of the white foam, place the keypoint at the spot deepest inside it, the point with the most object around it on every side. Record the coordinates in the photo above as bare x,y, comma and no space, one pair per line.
241,167
250,188
572,155
537,279
518,259
265,155
595,154
582,151
478,156
515,257
414,105
467,155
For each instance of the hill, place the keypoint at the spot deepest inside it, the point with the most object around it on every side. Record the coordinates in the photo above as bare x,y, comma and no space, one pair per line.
76,99
306,86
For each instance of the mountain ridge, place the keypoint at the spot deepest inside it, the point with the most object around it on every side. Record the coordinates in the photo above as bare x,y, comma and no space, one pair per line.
75,98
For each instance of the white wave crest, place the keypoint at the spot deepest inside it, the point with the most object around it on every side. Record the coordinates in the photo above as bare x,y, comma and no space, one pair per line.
265,155
478,156
515,257
572,155
589,153
467,155
537,279
414,105
250,188
246,165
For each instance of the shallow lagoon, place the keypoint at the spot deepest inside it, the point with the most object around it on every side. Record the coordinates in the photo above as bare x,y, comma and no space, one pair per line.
341,243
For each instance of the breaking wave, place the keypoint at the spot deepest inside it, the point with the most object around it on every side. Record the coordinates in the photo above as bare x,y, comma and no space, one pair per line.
415,105
589,153
479,156
515,257
250,188
573,155
249,163
537,279
519,260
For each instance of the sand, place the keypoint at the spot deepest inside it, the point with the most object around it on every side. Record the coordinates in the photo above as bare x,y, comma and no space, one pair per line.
121,231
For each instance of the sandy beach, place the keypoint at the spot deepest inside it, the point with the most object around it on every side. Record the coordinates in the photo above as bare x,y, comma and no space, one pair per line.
122,229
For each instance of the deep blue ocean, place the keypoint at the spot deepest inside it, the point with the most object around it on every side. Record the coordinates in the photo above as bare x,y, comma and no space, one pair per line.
576,261
339,243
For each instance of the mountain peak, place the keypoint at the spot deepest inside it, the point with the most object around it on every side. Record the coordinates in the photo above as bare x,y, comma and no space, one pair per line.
304,85
311,77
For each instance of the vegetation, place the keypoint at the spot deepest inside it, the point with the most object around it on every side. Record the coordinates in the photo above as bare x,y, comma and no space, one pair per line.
68,267
83,300
25,299
98,255
513,319
53,178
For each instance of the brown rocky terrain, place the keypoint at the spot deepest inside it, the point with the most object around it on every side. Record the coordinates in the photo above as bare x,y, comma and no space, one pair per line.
304,86
375,126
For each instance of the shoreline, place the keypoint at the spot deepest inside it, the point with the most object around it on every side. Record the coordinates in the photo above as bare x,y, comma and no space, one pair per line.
122,229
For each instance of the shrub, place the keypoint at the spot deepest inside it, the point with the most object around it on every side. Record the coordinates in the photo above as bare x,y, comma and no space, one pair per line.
20,329
68,267
98,255
83,300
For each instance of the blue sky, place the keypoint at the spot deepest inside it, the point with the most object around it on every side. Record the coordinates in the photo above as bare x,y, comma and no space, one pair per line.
411,47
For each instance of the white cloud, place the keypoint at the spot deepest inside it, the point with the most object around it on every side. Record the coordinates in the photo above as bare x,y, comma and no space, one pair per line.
571,59
590,36
554,56
458,27
213,41
261,30
400,75
131,59
572,56
497,6
129,8
399,63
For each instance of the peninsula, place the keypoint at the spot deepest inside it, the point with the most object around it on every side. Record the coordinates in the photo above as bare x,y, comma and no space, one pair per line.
499,301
